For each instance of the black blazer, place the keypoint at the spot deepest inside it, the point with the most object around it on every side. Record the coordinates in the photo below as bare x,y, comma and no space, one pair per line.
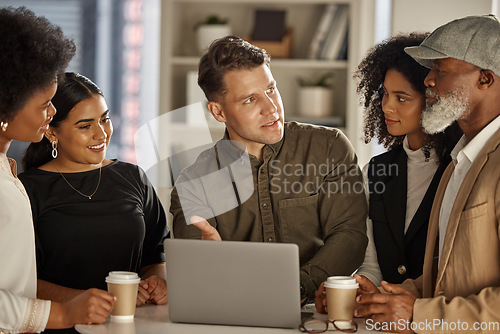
399,256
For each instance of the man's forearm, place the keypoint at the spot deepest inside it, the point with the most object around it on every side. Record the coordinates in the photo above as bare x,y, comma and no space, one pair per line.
157,269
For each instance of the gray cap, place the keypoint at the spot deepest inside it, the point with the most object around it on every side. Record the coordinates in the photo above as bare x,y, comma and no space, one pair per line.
473,39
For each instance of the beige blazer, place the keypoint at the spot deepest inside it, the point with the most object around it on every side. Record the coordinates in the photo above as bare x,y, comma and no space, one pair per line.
468,278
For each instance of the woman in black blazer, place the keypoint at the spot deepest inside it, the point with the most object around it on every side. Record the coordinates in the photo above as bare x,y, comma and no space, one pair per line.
402,181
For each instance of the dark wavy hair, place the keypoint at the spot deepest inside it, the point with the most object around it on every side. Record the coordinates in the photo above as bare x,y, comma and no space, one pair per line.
223,55
33,54
72,90
370,76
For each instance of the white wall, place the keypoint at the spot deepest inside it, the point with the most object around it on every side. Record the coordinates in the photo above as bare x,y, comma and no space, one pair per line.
427,15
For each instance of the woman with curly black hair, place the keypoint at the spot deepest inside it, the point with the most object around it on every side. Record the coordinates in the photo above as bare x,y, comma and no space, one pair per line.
402,182
33,55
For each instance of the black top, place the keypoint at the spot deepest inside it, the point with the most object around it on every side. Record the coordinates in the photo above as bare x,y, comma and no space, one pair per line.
80,240
400,255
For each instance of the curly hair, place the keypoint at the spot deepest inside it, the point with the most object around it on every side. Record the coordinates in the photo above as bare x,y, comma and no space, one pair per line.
223,55
73,89
33,54
370,76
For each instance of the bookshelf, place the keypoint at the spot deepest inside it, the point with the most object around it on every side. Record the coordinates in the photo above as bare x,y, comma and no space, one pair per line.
179,54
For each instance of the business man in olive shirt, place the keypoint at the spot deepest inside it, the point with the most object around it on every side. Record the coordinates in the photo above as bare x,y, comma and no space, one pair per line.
270,181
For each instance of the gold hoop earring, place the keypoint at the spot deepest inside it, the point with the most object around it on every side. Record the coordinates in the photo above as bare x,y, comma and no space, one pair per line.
4,125
54,149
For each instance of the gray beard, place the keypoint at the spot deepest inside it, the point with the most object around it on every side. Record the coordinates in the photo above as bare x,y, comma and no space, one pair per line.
446,110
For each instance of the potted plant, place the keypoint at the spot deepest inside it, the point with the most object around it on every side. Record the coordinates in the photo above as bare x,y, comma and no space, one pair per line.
211,28
316,96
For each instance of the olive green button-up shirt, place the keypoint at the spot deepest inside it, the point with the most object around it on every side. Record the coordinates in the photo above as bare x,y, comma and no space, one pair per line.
308,190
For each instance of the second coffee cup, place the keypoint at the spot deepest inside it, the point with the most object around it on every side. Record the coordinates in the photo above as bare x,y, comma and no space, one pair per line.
124,286
341,297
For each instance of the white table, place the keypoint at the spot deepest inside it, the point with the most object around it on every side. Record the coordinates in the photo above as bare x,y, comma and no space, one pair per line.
152,319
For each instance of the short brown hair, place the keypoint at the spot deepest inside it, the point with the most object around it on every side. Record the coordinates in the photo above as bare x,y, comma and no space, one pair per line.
223,55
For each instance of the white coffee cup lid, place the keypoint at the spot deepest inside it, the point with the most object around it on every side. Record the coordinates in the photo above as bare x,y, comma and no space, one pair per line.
122,277
341,282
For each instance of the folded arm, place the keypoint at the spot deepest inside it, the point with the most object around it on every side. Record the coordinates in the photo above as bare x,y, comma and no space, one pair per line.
481,309
153,287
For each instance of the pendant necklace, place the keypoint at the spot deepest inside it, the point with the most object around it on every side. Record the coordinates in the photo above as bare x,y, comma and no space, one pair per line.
78,191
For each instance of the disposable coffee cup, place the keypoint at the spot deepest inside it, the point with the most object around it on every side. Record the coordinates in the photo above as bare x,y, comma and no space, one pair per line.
341,297
124,286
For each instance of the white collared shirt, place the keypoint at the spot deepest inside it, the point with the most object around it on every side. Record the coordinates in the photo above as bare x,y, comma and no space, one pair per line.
463,155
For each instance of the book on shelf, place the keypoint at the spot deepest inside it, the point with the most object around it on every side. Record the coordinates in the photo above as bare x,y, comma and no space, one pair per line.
343,49
337,33
330,39
325,46
321,32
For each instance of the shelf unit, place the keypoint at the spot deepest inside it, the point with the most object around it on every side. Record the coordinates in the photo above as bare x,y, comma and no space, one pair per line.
179,54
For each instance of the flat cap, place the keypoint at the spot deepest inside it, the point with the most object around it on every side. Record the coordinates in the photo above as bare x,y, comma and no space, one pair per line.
473,39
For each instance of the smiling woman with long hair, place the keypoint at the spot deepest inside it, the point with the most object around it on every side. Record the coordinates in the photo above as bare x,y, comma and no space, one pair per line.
91,214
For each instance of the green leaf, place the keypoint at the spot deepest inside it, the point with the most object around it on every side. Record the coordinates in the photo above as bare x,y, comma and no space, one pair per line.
321,81
211,19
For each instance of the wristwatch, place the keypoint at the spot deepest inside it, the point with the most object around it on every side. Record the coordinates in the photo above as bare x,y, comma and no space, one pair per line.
303,294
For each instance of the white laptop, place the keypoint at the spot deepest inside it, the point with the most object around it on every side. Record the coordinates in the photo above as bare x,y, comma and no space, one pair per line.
233,283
